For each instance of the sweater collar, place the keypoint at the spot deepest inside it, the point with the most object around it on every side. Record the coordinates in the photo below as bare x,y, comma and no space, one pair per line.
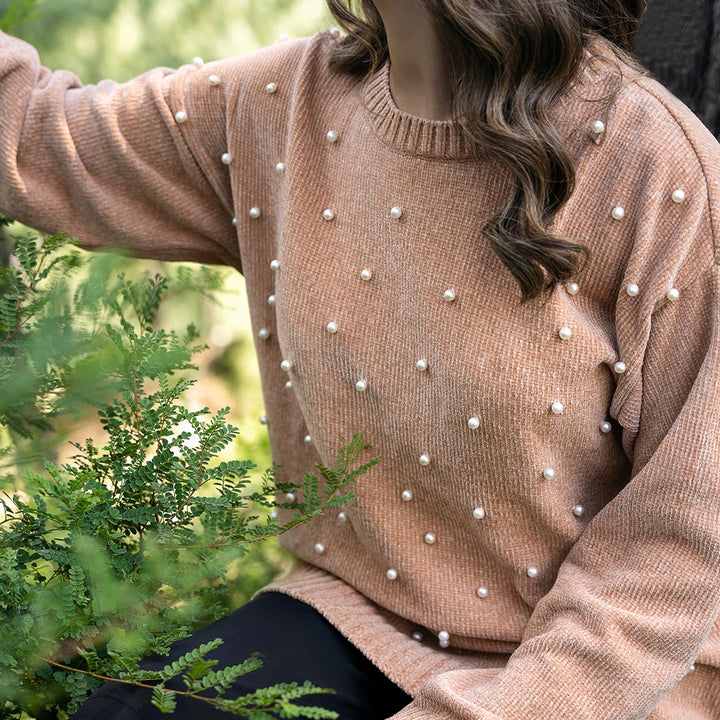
590,95
408,133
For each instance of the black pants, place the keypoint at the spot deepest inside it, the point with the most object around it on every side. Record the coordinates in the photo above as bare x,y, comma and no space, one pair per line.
298,644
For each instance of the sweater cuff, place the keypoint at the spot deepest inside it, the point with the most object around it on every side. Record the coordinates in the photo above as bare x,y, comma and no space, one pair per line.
454,695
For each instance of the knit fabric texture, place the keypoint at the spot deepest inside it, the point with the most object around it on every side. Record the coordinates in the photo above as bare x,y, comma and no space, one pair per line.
541,539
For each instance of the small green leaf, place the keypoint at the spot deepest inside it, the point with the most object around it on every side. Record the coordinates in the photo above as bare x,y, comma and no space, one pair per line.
164,700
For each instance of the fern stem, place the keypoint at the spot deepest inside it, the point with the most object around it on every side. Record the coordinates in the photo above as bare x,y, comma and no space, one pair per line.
133,683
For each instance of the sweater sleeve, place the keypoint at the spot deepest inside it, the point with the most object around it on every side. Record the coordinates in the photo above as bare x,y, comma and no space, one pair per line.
639,592
143,165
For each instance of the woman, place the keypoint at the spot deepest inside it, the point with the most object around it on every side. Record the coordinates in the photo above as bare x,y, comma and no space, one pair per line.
497,257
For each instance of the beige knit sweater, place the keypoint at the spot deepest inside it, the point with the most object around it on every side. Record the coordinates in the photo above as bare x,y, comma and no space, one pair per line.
541,540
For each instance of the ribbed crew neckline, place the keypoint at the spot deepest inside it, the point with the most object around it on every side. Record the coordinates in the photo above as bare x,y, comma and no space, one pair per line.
446,139
409,133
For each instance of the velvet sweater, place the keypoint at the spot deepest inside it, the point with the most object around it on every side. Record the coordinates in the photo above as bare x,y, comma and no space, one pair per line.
541,539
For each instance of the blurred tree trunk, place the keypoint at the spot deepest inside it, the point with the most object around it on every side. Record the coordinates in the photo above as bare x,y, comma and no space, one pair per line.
679,42
4,250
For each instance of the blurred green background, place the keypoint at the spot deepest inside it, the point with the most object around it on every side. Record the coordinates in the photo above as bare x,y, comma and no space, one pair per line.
123,38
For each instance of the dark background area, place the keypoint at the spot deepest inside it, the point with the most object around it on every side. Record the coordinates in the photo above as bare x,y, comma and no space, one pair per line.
679,42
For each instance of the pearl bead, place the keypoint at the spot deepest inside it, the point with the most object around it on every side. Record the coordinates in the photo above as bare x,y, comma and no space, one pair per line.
198,62
288,385
332,327
361,386
214,80
271,88
672,294
444,643
275,265
273,514
692,668
181,117
449,295
342,517
424,459
332,136
417,636
429,538
632,290
532,571
366,275
578,510
329,214
620,367
234,222
396,212
618,213
573,288
565,333
308,439
479,513
254,213
598,127
290,497
422,364
271,300
280,168
549,473
678,196
474,423
605,426
263,333
407,495
557,407
263,420
226,158
443,636
482,592
286,365
319,548
392,574
334,32
283,37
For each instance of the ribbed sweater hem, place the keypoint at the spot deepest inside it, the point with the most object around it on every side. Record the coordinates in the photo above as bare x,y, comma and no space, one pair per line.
384,638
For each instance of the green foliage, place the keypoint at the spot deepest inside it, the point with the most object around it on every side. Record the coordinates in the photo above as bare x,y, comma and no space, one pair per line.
198,676
25,385
122,38
16,12
127,546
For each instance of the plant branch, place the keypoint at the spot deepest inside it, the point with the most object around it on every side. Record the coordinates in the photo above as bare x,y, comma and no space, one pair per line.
133,683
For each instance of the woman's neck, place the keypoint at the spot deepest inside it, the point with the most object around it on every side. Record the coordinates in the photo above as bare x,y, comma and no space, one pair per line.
420,77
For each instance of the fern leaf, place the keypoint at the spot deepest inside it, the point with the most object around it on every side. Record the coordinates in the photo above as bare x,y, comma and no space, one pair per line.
164,700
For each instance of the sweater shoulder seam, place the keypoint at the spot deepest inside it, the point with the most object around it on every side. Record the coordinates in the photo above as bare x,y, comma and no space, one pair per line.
649,90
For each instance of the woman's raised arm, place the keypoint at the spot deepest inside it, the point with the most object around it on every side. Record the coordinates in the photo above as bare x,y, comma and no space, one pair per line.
144,164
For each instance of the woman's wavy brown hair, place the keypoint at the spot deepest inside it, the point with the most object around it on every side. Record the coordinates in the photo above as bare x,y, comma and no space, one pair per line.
511,60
